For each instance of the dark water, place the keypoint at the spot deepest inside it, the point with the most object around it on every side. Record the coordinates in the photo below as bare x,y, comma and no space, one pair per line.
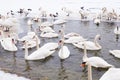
52,68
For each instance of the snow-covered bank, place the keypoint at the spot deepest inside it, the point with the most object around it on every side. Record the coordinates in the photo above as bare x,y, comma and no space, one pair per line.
9,76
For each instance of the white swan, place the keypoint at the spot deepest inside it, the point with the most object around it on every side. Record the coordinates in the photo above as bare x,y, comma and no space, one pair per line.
75,39
41,53
31,40
95,61
111,74
97,21
8,44
59,22
48,34
46,29
29,35
117,30
71,35
89,44
116,53
64,51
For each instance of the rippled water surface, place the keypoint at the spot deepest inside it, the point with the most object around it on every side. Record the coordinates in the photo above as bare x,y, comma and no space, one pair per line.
52,68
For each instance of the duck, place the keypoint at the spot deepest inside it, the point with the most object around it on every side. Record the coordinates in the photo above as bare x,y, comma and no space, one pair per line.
89,44
116,53
95,61
117,30
41,53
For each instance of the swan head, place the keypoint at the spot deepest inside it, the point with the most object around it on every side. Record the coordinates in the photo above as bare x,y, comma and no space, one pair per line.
60,42
98,36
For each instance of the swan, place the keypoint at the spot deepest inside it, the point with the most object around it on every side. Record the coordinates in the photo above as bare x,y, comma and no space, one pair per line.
64,51
29,35
31,40
8,44
117,30
116,53
111,74
95,61
59,22
71,35
46,29
89,44
97,21
48,34
41,53
75,39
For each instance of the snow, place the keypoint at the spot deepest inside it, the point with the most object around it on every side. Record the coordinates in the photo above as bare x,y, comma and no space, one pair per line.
9,76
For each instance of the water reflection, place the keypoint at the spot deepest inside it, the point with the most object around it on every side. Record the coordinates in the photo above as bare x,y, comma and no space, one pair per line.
117,38
14,61
62,71
27,67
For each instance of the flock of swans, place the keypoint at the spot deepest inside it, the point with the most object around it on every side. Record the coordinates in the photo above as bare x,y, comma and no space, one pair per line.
9,38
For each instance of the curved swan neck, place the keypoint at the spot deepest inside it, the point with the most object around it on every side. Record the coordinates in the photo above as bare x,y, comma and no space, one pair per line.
89,72
96,42
26,50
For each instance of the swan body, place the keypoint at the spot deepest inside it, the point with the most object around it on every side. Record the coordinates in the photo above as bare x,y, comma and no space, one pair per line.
59,21
89,44
47,29
41,53
29,35
72,34
111,74
64,52
97,21
8,44
95,61
116,53
74,39
117,30
49,34
98,62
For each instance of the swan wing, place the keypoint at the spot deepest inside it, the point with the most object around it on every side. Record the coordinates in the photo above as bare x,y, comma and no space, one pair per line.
116,53
40,54
99,62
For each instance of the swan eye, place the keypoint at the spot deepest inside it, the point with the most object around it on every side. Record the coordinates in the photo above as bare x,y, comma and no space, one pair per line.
99,38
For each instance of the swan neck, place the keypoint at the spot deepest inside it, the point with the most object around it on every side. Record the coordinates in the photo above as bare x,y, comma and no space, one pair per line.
89,72
85,53
96,42
26,50
37,45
